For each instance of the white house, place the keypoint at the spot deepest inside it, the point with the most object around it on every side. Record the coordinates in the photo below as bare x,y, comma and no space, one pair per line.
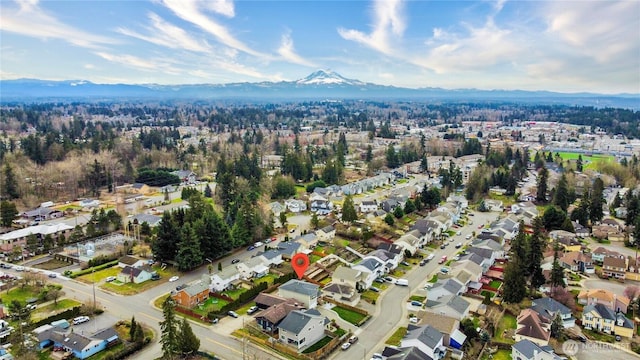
326,234
528,350
295,206
426,338
371,268
367,206
134,275
222,280
302,328
389,259
252,268
306,293
450,305
344,275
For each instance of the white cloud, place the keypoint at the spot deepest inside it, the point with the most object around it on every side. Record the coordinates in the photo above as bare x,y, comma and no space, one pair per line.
89,66
222,7
165,34
388,24
191,11
30,20
288,52
162,65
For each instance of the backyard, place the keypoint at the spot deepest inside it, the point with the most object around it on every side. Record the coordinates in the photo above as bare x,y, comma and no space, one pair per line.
495,284
507,323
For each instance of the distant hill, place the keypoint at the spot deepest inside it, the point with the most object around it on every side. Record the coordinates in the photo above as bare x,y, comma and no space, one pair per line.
321,84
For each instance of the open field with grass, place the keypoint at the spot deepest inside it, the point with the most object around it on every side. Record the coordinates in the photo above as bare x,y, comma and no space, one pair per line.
51,264
21,294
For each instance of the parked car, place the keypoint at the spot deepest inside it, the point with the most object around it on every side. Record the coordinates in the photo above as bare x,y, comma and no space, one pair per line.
110,278
443,259
444,270
380,280
443,246
374,289
353,339
174,278
250,248
405,263
416,303
80,320
258,244
235,261
424,262
19,268
155,276
345,346
459,233
52,275
233,314
180,287
458,245
468,237
413,320
252,310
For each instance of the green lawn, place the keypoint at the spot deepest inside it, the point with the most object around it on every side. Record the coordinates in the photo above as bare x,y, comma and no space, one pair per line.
234,294
499,355
20,294
42,312
348,315
212,304
434,278
417,298
495,284
506,323
269,279
484,292
324,341
397,336
100,275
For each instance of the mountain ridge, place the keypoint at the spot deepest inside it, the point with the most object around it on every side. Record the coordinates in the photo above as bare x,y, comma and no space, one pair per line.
319,84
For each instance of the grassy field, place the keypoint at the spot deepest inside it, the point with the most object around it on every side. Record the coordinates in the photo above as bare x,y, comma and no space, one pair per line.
20,294
508,322
348,315
51,264
52,309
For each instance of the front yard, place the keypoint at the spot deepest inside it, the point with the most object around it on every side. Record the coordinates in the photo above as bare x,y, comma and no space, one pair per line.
349,315
397,336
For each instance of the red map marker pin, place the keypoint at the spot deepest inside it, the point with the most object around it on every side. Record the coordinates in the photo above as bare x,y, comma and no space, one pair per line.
300,263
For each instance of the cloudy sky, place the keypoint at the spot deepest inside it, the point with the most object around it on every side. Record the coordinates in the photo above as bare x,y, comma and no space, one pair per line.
567,46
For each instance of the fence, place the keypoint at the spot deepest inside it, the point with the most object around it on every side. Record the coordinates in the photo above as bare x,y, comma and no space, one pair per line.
346,306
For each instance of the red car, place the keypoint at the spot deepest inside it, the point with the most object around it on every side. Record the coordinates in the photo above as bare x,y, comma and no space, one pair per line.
480,226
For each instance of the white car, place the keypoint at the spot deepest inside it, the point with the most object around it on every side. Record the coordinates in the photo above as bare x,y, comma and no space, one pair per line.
80,320
19,268
174,278
110,278
345,346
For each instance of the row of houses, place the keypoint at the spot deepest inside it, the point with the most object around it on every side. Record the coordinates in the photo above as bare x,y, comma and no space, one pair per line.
614,265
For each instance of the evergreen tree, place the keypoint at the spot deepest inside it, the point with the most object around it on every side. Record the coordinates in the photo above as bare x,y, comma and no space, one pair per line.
579,163
398,212
314,221
541,193
409,207
168,236
169,328
213,234
537,242
519,244
8,212
557,327
188,343
349,213
561,197
133,328
514,286
557,272
10,184
389,219
597,200
283,219
207,192
189,253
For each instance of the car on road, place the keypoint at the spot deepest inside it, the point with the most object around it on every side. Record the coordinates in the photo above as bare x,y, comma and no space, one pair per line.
456,258
19,268
250,248
80,320
345,346
444,270
174,278
353,339
468,237
416,303
458,245
110,278
5,266
459,233
235,261
252,310
443,246
52,275
442,259
180,287
233,314
258,244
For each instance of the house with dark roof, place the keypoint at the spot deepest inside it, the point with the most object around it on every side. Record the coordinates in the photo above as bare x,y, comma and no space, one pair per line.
577,261
389,259
288,249
326,234
367,206
404,353
302,328
426,338
269,318
600,253
133,274
550,308
600,318
488,255
192,295
371,268
528,350
304,292
132,261
445,287
266,300
83,346
150,219
448,327
342,293
533,327
580,231
187,177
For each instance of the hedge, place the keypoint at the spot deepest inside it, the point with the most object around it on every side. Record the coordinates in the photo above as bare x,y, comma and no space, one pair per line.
95,268
242,299
65,315
127,350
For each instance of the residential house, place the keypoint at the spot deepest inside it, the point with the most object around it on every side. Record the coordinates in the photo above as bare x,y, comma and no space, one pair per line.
267,300
577,261
580,231
528,350
490,244
494,205
302,329
83,346
295,205
467,273
150,219
459,200
187,177
288,249
304,292
134,275
408,242
367,206
605,297
404,353
450,305
389,205
320,205
132,261
371,268
42,214
448,327
307,241
18,238
567,240
533,327
192,295
426,338
393,248
601,318
506,228
269,318
88,204
140,188
348,277
612,223
326,234
550,308
389,259
342,293
444,288
252,268
489,255
270,257
484,263
600,253
276,208
614,267
223,280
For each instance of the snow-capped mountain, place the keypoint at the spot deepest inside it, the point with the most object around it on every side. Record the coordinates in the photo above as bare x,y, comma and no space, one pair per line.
327,77
321,84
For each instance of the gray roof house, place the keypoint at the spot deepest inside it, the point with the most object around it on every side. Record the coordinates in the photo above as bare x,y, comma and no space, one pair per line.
404,353
449,305
528,350
302,328
444,288
306,293
549,308
426,338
